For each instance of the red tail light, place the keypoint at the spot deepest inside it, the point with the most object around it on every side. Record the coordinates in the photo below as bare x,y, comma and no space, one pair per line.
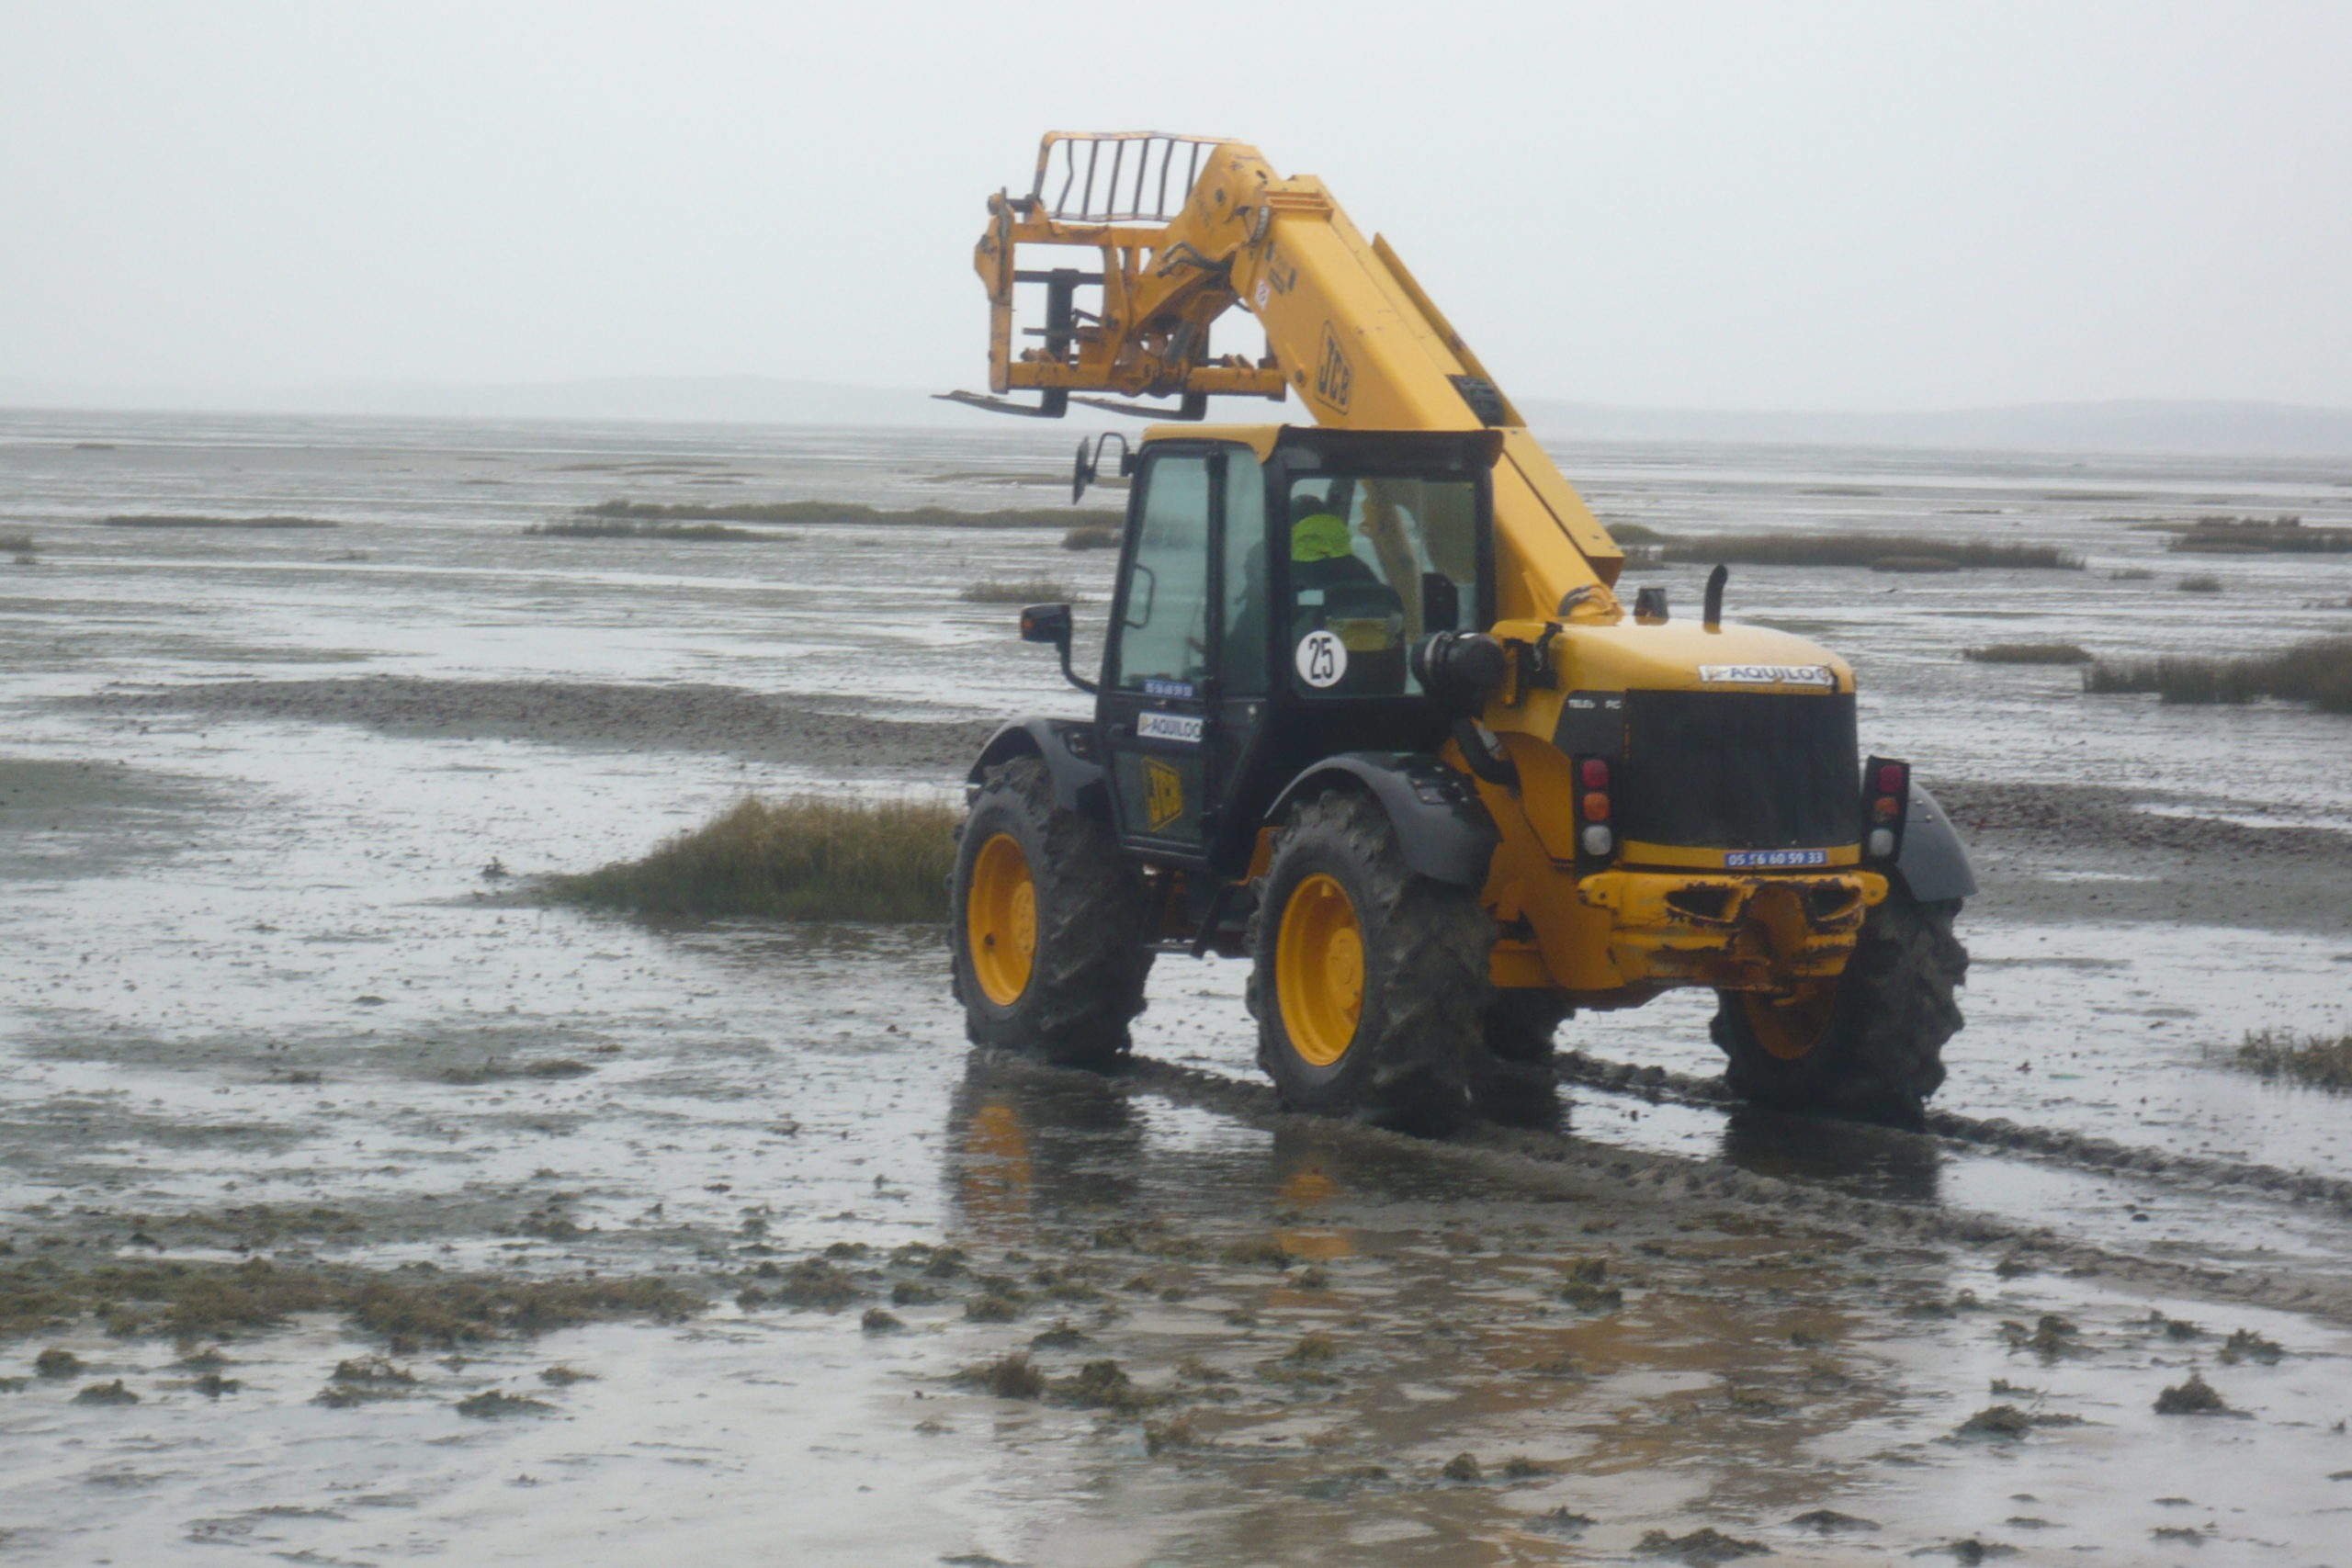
1893,777
1594,771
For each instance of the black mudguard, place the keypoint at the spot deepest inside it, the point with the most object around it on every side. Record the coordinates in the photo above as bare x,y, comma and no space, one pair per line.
1440,823
1933,861
1071,751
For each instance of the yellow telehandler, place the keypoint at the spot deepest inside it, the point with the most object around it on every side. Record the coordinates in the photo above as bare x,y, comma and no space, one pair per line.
1370,713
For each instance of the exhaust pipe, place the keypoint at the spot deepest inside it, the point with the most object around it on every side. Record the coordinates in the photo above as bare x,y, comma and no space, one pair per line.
1716,581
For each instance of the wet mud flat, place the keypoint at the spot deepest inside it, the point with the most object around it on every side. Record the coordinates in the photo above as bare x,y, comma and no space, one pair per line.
730,1245
2062,852
685,716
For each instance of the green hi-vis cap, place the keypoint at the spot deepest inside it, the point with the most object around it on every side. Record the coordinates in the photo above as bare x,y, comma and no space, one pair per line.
1322,537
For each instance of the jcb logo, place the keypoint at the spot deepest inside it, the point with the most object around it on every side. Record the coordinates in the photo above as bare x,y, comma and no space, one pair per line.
1163,793
1333,375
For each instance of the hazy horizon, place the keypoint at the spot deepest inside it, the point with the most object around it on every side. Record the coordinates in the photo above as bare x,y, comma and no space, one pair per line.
1828,207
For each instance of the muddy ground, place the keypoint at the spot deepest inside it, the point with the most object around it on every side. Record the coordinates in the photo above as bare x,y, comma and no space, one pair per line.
283,1019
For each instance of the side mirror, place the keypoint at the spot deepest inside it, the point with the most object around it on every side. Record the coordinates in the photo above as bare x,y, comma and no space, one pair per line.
1090,463
1046,623
1051,623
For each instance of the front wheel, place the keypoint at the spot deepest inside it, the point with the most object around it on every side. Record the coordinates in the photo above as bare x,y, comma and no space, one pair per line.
1369,981
1868,1044
1049,927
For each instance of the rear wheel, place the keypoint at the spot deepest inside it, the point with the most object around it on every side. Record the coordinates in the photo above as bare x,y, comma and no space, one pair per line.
1868,1044
1521,1022
1050,925
1369,981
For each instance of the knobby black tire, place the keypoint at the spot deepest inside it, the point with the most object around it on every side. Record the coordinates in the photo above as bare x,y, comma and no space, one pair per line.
1093,918
1882,1055
1513,1083
1521,1022
1427,950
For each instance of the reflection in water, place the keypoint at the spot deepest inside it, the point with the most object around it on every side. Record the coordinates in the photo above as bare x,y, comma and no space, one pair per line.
1872,1162
1023,1145
1306,1180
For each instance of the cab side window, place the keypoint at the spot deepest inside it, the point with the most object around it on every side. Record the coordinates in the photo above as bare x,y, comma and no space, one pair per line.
1249,587
1163,634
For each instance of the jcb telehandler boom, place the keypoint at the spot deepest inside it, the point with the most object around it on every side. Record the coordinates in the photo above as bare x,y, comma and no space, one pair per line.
1371,713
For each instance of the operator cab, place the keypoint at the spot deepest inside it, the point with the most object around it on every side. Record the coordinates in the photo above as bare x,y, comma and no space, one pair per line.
1271,583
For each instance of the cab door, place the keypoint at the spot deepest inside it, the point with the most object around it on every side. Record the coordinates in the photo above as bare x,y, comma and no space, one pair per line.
1160,674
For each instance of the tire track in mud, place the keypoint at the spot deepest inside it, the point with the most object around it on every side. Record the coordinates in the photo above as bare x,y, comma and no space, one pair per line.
1995,1132
1611,1172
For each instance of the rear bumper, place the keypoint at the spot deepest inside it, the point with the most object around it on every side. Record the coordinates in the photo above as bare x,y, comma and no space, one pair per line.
1735,933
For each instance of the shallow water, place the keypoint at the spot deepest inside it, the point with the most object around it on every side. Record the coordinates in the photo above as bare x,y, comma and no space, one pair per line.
242,960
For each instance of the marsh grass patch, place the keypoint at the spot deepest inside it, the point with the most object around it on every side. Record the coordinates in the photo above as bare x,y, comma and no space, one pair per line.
2195,1397
1011,1376
1093,536
2318,672
2028,653
2322,1061
147,520
1018,591
798,859
830,511
626,529
492,1403
204,1300
1701,1548
1916,552
2281,535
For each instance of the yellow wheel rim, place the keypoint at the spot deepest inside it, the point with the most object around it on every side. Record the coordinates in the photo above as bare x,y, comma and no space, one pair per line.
1790,1027
1318,970
1001,919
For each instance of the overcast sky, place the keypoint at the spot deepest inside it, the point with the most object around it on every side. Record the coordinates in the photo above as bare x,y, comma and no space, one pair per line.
1877,206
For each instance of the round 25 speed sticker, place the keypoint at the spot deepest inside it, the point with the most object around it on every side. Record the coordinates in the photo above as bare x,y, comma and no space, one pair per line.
1322,658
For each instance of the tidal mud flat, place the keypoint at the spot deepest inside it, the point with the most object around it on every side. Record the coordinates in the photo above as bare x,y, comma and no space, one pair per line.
276,999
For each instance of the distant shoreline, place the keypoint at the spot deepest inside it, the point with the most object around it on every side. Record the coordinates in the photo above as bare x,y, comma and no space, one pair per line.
2121,428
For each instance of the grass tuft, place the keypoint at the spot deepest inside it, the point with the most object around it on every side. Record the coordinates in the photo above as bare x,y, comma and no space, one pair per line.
1867,550
1093,536
1025,590
16,544
2318,672
152,521
2027,653
1012,1376
2202,582
199,1300
2282,535
850,512
802,859
622,528
2320,1060
2195,1397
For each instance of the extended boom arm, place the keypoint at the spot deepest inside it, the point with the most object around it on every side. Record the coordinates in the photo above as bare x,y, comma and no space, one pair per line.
1185,228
